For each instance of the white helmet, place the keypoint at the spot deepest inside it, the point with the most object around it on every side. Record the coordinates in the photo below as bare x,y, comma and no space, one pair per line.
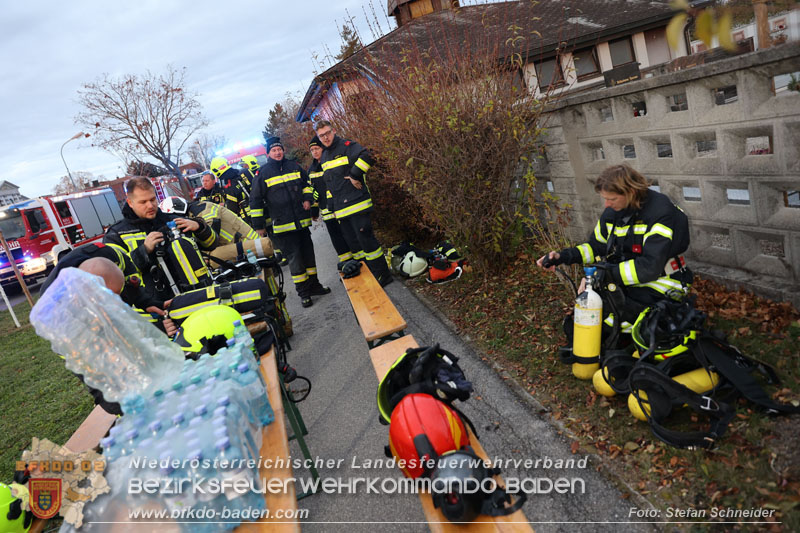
174,204
412,265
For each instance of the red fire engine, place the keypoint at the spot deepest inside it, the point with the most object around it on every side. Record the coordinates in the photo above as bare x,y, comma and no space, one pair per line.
37,230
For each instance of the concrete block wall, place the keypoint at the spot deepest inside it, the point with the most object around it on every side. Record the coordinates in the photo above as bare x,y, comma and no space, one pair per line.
742,231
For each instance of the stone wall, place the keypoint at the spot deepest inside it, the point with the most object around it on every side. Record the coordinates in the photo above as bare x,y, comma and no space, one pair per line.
718,140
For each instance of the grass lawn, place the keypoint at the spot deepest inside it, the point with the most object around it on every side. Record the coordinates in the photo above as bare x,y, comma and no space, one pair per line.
516,319
39,397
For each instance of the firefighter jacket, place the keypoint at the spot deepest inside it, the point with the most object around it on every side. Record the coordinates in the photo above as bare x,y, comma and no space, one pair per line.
215,194
227,225
246,179
645,245
278,193
315,174
346,158
128,236
237,199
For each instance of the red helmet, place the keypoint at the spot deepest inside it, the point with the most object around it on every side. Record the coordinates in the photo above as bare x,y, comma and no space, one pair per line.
421,429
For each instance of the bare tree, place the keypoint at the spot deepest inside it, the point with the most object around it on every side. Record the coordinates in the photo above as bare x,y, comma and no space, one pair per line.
81,180
202,149
143,115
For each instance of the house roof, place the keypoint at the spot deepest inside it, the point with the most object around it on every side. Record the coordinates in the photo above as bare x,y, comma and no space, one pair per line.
546,25
4,184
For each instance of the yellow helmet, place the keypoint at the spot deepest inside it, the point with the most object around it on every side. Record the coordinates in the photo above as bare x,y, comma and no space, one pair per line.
207,330
251,163
219,165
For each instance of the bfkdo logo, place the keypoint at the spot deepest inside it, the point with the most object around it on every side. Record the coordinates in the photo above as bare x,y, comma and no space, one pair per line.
45,497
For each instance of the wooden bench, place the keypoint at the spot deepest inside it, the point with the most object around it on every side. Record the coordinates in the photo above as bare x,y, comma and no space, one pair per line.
383,357
275,447
376,314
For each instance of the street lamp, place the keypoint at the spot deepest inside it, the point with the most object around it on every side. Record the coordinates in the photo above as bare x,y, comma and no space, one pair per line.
76,136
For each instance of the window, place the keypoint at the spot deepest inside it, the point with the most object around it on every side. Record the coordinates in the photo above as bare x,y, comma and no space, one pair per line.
657,47
606,114
677,102
664,150
421,8
586,64
738,196
725,95
549,73
597,153
761,145
707,148
692,194
784,82
550,187
771,248
621,51
639,109
629,151
63,210
33,223
791,199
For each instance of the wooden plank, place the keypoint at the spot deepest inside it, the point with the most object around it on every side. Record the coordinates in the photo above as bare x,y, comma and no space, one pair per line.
374,310
275,447
89,433
382,359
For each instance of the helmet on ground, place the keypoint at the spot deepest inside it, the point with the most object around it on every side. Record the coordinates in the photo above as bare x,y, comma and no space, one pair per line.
251,163
174,204
13,518
412,265
422,429
442,271
666,329
446,249
219,165
462,488
208,329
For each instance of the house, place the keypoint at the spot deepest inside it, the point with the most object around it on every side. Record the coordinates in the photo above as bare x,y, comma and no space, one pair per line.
9,193
570,44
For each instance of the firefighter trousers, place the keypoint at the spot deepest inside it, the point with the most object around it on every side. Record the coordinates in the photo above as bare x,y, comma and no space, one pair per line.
337,239
299,251
357,231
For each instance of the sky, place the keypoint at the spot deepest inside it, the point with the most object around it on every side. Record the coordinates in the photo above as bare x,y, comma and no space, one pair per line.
241,57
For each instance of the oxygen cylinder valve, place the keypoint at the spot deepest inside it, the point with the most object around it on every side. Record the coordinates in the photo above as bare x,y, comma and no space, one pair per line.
173,228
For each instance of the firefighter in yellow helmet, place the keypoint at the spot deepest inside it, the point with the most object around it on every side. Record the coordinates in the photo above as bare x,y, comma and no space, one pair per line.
237,199
250,167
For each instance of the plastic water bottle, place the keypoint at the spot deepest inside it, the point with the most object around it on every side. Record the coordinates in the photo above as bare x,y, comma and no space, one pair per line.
173,228
117,351
251,257
255,394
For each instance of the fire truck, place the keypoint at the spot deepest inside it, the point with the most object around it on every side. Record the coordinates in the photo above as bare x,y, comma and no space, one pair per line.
40,229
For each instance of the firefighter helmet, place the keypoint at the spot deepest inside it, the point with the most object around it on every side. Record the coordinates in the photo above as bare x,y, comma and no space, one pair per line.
412,265
219,165
251,163
666,329
174,204
421,430
14,518
208,329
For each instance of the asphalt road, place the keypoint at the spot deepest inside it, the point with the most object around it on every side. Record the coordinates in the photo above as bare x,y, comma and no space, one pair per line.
342,418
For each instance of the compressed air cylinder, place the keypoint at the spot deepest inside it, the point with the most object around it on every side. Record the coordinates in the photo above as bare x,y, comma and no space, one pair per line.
601,380
261,248
699,380
588,326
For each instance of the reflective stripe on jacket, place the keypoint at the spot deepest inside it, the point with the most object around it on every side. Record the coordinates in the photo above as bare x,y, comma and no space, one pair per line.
341,159
278,193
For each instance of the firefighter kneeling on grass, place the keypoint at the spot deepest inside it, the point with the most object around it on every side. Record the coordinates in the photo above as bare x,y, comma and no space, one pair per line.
641,235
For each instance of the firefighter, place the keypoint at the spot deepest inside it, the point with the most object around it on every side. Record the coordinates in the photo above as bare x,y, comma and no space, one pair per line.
642,234
345,164
283,193
237,199
210,191
249,171
315,173
231,229
142,231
